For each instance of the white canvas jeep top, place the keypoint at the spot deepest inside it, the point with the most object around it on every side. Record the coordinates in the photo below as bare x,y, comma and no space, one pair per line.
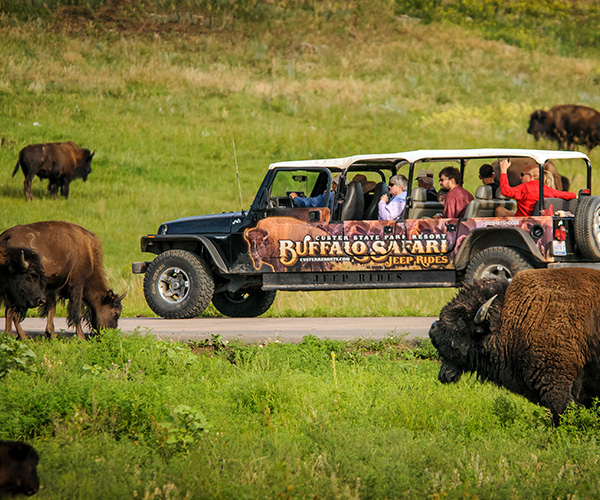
539,155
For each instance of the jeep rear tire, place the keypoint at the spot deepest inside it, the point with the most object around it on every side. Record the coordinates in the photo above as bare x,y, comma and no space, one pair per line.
244,303
587,227
178,284
496,263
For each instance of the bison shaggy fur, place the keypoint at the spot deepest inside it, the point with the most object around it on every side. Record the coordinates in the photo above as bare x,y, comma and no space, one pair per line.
540,337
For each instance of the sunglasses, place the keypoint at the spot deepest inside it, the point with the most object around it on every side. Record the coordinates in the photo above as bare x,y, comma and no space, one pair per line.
525,173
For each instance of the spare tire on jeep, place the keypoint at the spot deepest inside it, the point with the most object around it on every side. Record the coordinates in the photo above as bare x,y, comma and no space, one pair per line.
587,226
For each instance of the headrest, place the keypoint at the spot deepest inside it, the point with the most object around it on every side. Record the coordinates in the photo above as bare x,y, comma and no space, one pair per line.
419,194
500,196
484,193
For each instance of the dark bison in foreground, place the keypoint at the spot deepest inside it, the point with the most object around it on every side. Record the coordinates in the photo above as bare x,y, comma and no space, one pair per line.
22,280
538,337
59,162
18,468
567,124
72,260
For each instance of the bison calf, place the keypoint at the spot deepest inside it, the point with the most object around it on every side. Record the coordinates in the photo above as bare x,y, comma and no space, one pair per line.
59,162
538,336
18,468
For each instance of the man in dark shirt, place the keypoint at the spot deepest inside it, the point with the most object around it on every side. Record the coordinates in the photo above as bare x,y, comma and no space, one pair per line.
488,178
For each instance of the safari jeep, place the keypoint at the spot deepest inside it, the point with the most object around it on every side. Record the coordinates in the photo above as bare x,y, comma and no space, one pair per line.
239,260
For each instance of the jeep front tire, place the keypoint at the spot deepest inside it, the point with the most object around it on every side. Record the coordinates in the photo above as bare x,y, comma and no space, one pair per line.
496,263
178,284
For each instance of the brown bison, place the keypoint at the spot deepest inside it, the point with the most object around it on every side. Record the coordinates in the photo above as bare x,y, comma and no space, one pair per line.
18,468
538,336
59,162
72,260
567,124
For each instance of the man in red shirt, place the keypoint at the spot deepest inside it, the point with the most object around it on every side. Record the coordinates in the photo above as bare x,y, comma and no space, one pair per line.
457,199
527,193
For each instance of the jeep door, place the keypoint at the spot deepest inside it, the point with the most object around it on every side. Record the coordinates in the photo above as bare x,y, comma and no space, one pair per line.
291,238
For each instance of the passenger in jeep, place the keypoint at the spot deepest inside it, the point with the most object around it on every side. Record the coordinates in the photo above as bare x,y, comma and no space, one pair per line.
486,174
391,209
425,181
527,193
457,198
319,200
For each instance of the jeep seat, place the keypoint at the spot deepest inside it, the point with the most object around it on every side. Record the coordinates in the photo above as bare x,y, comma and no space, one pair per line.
485,206
558,204
354,204
481,205
372,211
421,208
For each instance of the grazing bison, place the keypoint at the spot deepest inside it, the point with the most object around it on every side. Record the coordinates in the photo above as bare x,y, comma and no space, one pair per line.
567,124
538,336
18,468
59,162
72,260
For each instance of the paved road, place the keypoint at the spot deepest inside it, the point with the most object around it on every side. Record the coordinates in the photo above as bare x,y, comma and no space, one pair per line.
255,330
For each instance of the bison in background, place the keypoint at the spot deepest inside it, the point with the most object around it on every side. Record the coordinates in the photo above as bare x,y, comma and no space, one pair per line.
22,281
567,124
59,162
538,336
73,263
18,468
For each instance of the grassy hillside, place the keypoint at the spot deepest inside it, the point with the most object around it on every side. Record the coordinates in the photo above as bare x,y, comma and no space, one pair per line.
161,90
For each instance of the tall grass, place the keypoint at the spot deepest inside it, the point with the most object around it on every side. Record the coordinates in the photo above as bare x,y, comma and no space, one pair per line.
161,103
131,417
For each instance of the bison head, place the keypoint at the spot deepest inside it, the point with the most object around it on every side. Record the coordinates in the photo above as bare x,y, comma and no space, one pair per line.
538,124
84,165
107,314
27,282
463,325
258,241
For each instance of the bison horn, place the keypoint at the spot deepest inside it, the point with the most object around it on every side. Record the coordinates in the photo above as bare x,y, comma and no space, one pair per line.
23,262
482,314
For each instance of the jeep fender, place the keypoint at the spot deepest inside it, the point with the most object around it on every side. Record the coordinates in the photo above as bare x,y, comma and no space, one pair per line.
479,239
158,243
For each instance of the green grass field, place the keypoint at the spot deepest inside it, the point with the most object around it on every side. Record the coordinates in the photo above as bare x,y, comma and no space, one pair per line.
161,96
132,417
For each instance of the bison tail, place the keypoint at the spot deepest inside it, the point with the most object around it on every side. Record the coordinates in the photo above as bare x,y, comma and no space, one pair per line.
17,167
